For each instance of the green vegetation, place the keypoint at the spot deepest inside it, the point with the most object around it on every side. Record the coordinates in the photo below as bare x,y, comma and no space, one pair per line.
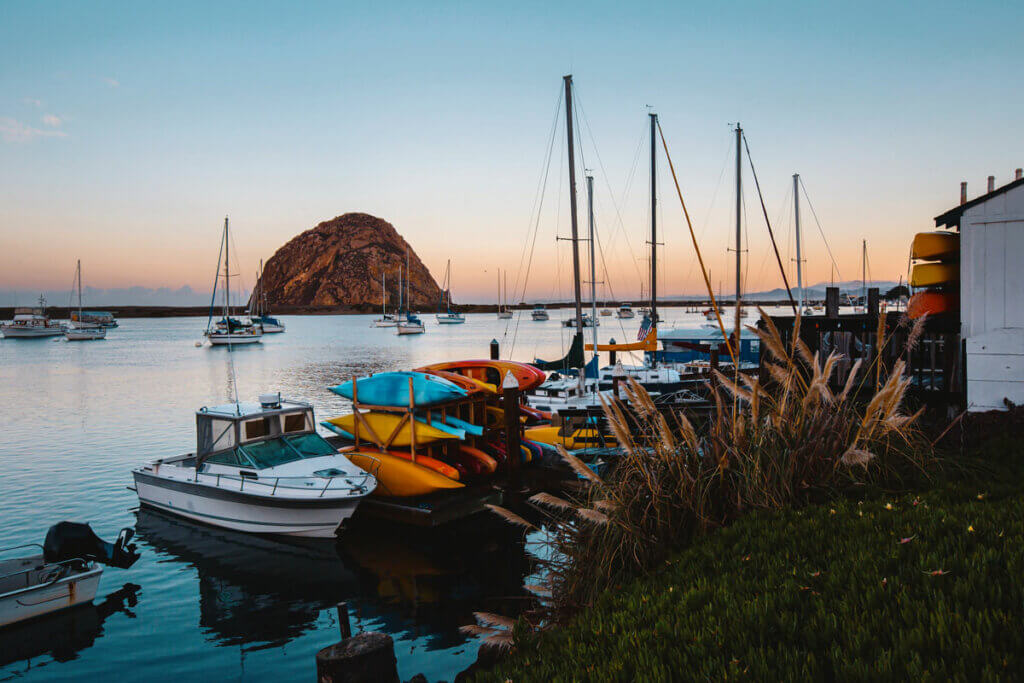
920,586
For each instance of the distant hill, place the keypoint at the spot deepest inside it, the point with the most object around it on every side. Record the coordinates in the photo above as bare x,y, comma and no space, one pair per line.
340,263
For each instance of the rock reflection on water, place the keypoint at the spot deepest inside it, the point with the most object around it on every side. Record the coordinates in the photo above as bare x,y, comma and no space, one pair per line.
260,592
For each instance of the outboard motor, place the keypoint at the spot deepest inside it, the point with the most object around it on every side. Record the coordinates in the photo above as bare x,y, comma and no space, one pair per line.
71,540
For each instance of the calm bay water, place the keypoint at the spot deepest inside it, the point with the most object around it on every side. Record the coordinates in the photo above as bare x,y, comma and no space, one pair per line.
203,603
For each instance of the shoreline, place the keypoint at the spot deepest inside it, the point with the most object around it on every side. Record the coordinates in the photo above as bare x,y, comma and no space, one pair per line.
63,312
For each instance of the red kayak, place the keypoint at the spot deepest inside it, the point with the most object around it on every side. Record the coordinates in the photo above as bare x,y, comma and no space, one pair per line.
492,371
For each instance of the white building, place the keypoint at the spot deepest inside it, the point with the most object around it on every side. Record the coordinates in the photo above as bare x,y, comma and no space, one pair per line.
992,292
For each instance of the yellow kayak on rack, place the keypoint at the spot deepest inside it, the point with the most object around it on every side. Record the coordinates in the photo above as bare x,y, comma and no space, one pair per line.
400,478
384,423
930,274
584,437
936,246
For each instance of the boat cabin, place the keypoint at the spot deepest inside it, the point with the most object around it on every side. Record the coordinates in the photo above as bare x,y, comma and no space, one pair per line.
258,435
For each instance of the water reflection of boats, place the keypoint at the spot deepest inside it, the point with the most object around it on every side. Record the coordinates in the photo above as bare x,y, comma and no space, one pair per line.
65,634
262,590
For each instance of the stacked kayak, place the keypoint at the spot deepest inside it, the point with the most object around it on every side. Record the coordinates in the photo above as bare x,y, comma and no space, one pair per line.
434,428
936,274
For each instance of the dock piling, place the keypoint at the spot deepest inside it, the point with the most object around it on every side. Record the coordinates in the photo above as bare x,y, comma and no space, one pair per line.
510,403
495,351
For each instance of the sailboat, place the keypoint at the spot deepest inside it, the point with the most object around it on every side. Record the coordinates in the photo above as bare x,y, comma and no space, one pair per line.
269,324
229,331
448,316
81,331
504,312
408,322
801,305
387,319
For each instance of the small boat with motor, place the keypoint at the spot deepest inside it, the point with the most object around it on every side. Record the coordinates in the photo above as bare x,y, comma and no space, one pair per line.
229,331
79,330
540,313
32,323
588,321
625,312
260,468
64,572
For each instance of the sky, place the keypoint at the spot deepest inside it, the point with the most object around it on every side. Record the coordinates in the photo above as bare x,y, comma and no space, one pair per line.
129,130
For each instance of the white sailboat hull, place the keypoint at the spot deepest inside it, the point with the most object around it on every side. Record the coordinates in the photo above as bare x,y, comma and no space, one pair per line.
450,320
311,517
409,328
86,333
234,339
269,328
504,315
68,588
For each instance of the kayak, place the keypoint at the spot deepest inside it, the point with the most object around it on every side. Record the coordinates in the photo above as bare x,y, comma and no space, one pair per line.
932,303
468,383
581,438
384,423
492,371
936,246
486,463
430,463
929,274
400,478
392,389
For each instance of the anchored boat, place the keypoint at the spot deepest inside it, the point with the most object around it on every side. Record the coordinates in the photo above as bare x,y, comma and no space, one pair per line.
229,331
32,323
79,330
260,468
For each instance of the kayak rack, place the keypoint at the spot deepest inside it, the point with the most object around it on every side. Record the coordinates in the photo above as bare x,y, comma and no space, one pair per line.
472,408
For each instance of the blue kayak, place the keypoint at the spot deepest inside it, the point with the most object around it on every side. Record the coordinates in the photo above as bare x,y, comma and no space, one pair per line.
392,389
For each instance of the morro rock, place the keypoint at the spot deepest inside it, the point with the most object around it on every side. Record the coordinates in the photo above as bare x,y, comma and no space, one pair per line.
340,263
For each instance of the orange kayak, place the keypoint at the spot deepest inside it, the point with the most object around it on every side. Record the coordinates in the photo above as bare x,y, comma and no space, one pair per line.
468,383
492,371
428,462
488,463
932,303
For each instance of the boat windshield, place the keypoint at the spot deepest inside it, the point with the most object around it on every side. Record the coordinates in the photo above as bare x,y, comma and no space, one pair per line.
311,445
270,453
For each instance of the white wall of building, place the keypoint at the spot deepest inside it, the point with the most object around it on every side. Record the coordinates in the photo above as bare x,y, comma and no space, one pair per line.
992,299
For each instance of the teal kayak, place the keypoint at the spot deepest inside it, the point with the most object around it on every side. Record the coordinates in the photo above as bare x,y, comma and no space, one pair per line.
392,389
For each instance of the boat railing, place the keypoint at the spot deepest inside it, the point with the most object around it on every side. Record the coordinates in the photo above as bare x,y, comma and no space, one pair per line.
276,484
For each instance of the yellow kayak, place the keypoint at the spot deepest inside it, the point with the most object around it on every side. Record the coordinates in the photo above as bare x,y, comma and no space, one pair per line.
929,274
384,423
581,438
936,246
400,478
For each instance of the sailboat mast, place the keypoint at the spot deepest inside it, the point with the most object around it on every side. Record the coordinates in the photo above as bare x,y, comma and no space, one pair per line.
654,222
227,281
799,263
408,277
79,291
593,266
739,202
572,202
864,272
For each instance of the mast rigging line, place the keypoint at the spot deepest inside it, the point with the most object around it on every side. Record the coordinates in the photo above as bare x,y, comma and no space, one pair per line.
820,231
700,259
771,233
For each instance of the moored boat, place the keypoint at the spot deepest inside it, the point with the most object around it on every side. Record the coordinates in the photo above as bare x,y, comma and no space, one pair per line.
540,313
31,323
259,468
625,311
229,331
411,325
81,330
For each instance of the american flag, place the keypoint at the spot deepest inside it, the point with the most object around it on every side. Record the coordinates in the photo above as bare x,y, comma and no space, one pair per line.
645,328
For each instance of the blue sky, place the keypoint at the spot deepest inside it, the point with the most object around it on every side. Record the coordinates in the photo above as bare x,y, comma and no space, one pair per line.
128,130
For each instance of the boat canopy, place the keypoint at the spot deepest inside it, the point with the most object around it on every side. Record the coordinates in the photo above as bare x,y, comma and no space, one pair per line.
224,427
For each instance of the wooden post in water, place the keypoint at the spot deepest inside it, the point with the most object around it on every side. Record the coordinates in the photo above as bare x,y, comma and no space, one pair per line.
367,657
510,402
872,302
612,353
495,350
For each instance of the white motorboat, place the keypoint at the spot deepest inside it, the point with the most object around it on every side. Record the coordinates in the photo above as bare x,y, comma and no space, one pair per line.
450,318
625,311
540,313
259,468
79,330
388,320
411,325
229,331
62,573
32,323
